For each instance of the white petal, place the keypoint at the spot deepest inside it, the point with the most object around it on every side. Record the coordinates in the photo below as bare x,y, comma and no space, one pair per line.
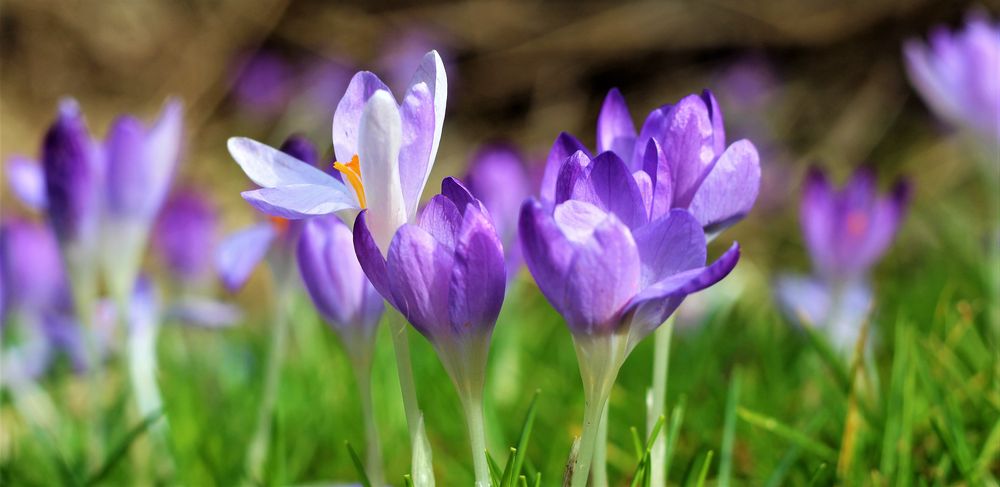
431,71
379,139
268,167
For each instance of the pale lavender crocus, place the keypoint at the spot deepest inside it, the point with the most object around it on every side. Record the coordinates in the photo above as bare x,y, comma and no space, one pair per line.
352,307
614,267
679,159
445,274
958,75
498,177
846,232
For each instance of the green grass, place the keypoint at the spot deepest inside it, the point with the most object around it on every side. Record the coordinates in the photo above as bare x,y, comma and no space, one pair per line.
752,400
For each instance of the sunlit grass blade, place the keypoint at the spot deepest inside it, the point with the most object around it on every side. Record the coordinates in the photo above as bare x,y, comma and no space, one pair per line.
121,449
990,451
673,433
506,478
703,475
495,473
791,434
538,479
817,474
522,441
407,481
359,466
636,443
729,431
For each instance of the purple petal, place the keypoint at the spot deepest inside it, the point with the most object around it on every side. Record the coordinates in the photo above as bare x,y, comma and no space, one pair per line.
656,303
546,251
572,180
442,219
299,147
615,130
499,179
74,169
670,245
370,257
297,201
816,215
238,255
268,167
478,279
27,180
454,190
616,189
417,114
204,312
718,126
688,145
347,117
420,272
564,146
645,185
654,163
653,127
186,228
432,74
886,217
729,191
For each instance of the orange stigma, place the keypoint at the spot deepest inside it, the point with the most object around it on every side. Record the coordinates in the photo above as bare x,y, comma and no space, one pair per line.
352,170
280,224
857,223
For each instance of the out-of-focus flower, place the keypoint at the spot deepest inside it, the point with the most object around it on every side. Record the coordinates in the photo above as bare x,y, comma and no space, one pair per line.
263,83
498,177
27,180
846,232
679,159
32,269
446,275
957,75
400,55
238,255
140,166
385,150
185,234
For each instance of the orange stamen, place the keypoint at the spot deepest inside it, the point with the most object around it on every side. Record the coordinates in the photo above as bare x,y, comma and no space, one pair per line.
857,223
280,224
352,170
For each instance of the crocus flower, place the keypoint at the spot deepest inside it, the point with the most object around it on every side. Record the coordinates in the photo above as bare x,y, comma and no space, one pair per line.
385,150
349,304
445,274
846,232
27,180
140,166
956,74
612,270
185,232
498,177
679,159
263,83
239,254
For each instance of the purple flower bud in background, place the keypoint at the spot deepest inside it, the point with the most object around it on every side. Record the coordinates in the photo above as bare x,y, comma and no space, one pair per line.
73,167
263,83
335,281
31,269
602,262
847,231
679,158
185,234
956,73
498,177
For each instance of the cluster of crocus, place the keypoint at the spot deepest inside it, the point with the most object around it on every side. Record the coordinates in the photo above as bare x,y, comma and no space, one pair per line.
956,74
846,232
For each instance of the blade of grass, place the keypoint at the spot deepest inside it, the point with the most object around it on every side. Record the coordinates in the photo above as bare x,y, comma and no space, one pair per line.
704,469
495,473
118,452
358,465
990,450
817,474
506,478
729,431
522,442
636,443
673,433
777,428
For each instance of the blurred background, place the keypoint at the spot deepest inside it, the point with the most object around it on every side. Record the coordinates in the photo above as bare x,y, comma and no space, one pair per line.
809,82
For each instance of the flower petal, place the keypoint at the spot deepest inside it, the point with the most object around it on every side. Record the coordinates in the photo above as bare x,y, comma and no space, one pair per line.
688,143
238,255
442,219
371,258
654,163
616,189
297,201
268,167
729,191
204,312
420,273
417,113
478,278
546,251
615,130
718,125
572,180
431,73
670,245
564,146
347,116
379,139
27,181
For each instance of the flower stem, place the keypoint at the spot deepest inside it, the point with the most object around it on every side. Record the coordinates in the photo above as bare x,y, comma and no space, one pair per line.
473,406
600,357
401,345
362,365
257,451
661,367
599,468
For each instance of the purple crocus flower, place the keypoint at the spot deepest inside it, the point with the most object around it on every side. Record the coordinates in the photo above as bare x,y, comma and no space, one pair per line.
679,159
32,268
386,151
614,267
185,232
498,177
846,232
140,166
239,254
956,74
263,83
27,180
446,275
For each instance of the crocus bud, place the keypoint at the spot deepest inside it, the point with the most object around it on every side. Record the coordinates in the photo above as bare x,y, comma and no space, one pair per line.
73,167
31,268
499,178
185,234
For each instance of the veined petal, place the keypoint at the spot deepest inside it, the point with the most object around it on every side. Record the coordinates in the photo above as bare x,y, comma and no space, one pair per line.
371,257
616,190
238,255
478,278
546,251
718,125
615,130
27,180
571,182
654,163
670,245
379,139
689,146
268,167
417,113
420,273
431,73
442,219
297,201
564,146
729,191
347,117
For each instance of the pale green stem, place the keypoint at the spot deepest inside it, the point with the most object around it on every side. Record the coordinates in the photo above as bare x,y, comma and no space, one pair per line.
661,368
362,365
401,345
600,357
257,451
465,360
477,439
599,469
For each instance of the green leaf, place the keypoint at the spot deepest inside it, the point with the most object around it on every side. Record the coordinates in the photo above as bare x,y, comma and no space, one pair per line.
791,434
495,474
729,431
636,443
407,481
522,441
704,469
118,452
817,474
673,433
506,479
358,465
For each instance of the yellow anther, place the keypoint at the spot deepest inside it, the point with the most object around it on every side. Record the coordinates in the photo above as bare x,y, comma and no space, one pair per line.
352,170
